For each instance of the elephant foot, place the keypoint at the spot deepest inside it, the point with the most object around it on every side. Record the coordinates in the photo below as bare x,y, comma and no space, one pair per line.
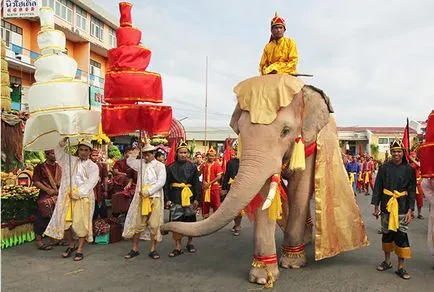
264,271
293,257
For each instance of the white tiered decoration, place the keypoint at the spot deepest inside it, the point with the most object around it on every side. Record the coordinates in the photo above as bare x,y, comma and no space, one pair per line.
58,104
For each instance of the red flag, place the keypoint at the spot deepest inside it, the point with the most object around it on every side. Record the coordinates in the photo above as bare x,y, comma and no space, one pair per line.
406,140
171,156
226,155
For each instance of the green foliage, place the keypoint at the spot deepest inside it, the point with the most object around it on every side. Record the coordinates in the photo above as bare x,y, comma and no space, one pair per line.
34,157
374,150
114,152
192,148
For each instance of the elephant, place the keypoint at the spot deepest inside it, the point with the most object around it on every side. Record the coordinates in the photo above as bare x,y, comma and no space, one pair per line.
272,111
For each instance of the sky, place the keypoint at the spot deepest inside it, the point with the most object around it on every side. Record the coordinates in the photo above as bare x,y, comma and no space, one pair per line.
374,59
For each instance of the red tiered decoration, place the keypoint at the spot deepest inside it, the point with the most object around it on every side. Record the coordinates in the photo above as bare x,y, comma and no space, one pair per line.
127,83
426,150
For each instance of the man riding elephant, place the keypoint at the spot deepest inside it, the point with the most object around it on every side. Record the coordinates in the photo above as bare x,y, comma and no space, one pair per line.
280,55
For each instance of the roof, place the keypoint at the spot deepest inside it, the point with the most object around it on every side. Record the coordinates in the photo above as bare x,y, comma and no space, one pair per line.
375,130
212,133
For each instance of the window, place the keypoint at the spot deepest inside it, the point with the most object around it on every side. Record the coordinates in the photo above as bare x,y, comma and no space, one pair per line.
112,37
384,141
81,18
48,3
96,28
63,9
11,34
95,68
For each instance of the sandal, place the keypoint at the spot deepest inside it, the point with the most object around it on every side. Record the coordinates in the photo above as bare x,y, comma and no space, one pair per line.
384,266
420,217
175,253
78,257
236,233
131,254
44,246
60,243
403,274
67,253
154,255
190,248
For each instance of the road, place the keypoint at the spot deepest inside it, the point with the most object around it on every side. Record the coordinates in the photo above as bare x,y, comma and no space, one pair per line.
221,264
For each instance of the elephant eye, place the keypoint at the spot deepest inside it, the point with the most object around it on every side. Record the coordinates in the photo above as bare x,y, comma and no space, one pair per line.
285,132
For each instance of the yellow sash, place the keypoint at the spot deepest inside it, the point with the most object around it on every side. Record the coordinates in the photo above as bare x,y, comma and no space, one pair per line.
207,198
231,181
352,177
69,196
392,208
360,177
186,193
146,202
367,177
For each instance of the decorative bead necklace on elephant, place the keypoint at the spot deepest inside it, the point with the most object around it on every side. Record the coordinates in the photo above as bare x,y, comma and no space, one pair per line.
281,114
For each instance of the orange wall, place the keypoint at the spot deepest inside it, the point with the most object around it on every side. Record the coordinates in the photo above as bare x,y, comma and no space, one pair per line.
34,37
70,47
81,55
26,78
100,59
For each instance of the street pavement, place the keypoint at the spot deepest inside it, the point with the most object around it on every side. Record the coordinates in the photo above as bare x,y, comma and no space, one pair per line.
221,263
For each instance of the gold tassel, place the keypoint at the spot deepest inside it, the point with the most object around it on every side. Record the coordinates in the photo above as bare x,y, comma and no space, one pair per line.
275,210
298,161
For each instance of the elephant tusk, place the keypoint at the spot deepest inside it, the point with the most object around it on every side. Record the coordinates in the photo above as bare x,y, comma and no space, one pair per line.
270,196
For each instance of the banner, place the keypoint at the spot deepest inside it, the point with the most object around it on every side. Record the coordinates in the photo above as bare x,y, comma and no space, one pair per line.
21,8
96,96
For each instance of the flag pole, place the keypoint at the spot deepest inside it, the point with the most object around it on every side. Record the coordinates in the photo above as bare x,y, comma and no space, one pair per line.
206,99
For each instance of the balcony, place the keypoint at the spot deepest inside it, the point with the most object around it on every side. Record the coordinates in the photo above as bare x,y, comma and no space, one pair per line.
20,58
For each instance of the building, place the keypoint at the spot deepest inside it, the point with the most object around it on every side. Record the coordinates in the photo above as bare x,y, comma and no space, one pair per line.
353,140
89,31
215,137
373,140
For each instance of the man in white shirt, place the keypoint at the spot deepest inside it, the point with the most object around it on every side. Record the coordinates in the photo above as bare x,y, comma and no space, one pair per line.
76,201
147,205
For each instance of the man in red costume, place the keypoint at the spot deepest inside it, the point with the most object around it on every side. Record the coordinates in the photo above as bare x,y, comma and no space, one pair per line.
368,167
414,162
211,175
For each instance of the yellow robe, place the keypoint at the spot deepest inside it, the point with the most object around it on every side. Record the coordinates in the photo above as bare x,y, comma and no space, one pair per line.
281,56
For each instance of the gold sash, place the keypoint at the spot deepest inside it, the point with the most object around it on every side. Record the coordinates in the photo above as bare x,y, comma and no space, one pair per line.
186,193
392,207
146,202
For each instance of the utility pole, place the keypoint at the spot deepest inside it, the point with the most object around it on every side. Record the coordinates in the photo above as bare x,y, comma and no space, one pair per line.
206,98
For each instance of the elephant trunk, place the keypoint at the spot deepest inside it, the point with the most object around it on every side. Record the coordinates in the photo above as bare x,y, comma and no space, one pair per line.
252,175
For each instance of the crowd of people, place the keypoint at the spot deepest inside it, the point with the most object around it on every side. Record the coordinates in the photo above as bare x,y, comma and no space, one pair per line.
186,187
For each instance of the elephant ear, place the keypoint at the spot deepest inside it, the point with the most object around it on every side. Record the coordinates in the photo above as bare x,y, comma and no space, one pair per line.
316,113
234,119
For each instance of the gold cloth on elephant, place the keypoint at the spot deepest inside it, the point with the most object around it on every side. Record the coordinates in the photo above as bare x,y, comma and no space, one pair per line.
254,95
338,223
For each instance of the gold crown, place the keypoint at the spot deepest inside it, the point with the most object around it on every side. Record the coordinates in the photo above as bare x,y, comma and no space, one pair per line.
396,144
182,144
